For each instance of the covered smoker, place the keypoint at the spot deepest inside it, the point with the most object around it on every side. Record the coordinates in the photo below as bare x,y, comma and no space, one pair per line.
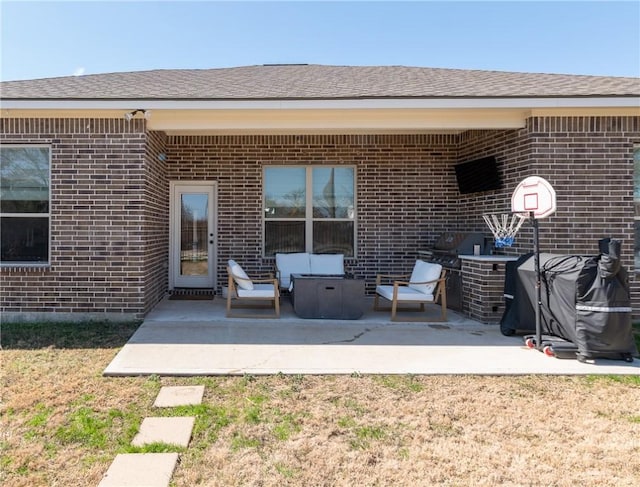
585,301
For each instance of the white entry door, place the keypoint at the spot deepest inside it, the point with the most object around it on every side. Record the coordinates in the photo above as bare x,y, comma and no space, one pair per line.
193,235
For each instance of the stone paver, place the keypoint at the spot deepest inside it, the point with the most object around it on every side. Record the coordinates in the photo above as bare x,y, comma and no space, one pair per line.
179,396
174,431
140,470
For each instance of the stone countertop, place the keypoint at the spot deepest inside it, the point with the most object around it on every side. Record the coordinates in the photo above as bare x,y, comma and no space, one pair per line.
489,258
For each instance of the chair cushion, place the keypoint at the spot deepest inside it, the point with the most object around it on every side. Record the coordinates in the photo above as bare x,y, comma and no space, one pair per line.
240,276
405,293
423,272
326,263
295,263
258,291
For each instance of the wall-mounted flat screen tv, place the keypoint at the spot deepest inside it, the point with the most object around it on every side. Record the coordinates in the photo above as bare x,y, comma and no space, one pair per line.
478,175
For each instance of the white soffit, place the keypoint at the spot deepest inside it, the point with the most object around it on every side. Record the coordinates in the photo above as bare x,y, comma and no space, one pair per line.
327,121
327,116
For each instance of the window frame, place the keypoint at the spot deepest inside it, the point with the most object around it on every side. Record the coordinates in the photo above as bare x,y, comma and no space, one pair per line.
309,219
47,215
636,204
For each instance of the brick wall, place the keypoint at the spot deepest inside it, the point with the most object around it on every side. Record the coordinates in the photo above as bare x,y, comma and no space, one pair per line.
588,161
483,290
406,190
406,187
97,201
155,232
110,198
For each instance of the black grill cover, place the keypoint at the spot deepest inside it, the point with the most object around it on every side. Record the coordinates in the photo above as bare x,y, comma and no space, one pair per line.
585,300
519,314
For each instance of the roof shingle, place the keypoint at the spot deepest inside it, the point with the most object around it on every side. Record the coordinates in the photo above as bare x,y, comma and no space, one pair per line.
292,82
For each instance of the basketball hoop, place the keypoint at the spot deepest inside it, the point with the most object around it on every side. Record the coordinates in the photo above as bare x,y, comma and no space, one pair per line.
504,227
535,196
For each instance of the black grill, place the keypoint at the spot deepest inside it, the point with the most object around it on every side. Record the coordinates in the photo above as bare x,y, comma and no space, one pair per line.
446,252
450,245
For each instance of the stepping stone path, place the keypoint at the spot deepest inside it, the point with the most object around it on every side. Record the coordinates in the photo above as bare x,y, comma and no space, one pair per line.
170,397
156,469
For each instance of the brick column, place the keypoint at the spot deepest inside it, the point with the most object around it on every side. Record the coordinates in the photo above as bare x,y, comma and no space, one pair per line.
483,289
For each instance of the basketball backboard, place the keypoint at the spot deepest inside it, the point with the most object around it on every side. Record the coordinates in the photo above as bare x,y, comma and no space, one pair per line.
536,195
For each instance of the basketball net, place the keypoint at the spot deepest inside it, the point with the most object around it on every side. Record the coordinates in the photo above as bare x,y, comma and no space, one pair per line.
504,227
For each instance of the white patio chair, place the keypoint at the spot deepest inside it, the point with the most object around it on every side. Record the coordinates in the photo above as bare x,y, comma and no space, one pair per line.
425,285
244,292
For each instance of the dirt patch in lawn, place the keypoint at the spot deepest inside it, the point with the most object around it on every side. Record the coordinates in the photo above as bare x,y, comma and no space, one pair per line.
63,423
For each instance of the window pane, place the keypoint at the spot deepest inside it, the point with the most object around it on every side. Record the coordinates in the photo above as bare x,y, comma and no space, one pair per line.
333,192
24,239
284,192
636,204
333,237
636,180
283,237
24,179
636,250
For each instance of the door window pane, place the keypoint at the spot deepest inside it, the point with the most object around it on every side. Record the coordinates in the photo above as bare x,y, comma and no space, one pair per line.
284,192
194,248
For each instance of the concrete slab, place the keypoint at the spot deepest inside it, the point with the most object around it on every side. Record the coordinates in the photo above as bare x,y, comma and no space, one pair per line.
140,470
172,396
170,430
191,346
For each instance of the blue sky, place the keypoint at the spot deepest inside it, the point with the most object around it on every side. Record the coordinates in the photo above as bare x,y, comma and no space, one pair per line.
61,38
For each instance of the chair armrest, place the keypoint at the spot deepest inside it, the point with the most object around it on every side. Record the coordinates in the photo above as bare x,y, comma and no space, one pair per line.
266,275
379,277
404,283
440,282
440,279
268,280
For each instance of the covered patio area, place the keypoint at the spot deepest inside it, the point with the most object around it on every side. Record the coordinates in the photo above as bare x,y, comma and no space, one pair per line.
187,338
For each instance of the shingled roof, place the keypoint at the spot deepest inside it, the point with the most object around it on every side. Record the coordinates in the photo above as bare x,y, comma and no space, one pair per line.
299,82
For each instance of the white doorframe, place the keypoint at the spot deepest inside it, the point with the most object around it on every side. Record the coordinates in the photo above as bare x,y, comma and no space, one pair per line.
177,189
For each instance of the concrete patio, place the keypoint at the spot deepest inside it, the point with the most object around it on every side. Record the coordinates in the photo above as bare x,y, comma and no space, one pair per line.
186,338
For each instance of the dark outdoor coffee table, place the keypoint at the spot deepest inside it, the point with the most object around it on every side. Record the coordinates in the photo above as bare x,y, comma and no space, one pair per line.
335,297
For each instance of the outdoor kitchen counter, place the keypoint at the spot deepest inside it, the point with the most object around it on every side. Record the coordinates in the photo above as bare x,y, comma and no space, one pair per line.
489,258
483,286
